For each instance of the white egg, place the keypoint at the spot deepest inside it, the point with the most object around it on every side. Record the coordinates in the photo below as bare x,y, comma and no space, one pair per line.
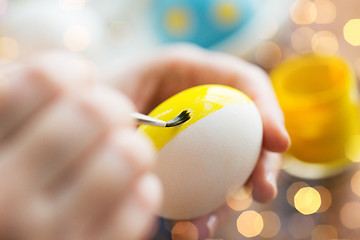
215,151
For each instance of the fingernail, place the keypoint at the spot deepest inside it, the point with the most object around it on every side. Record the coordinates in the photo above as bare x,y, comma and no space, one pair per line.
286,136
284,143
211,224
271,179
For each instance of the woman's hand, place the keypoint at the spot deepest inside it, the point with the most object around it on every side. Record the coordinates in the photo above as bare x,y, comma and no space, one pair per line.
70,165
181,67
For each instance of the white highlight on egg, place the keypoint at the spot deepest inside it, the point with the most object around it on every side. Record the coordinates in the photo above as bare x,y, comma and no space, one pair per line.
203,162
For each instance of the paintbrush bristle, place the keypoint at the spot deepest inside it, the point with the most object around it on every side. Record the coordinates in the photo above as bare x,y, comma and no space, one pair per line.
180,119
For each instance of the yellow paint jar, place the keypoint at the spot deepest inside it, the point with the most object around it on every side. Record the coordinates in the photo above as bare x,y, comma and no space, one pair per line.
319,98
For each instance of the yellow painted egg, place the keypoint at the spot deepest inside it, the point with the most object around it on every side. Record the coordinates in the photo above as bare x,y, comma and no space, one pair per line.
215,150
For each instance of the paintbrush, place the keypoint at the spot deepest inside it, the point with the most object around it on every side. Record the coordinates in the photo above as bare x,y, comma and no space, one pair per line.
145,119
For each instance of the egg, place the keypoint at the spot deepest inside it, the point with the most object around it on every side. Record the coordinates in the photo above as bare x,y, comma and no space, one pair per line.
216,150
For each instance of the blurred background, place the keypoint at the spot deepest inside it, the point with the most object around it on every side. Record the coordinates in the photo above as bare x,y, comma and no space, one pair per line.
264,32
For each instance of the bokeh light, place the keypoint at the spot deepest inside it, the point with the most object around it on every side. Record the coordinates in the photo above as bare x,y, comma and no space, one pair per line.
226,13
72,4
352,148
300,226
301,39
270,30
184,231
272,224
352,32
326,11
292,190
324,232
239,200
178,21
324,42
307,200
326,198
250,223
9,50
350,215
268,55
303,12
355,183
76,38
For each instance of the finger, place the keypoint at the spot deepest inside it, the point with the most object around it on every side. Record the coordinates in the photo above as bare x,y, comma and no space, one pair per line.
264,177
209,224
186,66
201,228
30,86
256,84
93,190
65,130
204,67
134,218
121,147
162,75
206,226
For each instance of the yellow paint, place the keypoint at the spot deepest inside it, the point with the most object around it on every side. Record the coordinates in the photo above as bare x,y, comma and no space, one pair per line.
318,95
226,13
200,101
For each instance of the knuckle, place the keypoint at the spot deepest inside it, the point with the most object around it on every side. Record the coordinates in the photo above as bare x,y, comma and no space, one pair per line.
110,177
110,170
107,105
136,149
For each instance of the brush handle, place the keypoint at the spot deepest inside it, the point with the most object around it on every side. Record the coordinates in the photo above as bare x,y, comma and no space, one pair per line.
145,119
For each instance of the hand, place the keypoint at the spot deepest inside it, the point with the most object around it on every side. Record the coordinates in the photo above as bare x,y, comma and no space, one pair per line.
182,67
70,167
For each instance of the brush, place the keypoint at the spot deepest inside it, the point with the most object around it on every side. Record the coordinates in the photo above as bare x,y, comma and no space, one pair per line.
145,119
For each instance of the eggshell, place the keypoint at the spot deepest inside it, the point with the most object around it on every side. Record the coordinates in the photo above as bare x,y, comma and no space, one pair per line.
216,150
